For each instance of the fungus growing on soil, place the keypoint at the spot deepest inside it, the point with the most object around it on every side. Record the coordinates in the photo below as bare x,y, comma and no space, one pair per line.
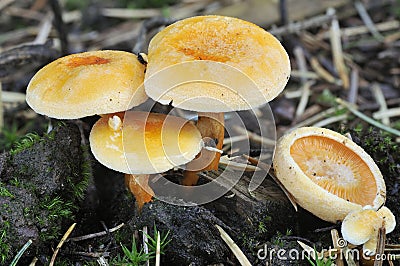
89,83
327,173
361,227
140,143
85,84
212,65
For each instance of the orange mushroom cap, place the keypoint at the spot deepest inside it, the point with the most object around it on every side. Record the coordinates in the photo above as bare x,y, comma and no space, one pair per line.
89,83
144,143
215,64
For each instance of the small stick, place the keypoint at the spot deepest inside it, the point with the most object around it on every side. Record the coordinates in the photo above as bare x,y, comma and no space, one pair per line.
60,26
387,113
358,30
335,241
337,51
353,92
380,247
302,25
380,98
33,262
301,61
330,120
299,74
232,245
103,233
315,118
316,66
53,258
367,118
255,137
368,21
283,12
158,249
304,98
44,30
126,13
145,246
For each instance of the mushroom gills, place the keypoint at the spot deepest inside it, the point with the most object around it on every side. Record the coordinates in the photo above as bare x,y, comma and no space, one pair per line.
336,168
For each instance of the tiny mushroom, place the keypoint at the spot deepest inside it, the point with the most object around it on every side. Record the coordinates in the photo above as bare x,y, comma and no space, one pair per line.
327,173
361,227
211,65
85,84
141,143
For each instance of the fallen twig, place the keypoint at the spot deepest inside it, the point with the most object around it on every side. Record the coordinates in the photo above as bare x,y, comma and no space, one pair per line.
103,233
367,118
337,51
53,258
232,245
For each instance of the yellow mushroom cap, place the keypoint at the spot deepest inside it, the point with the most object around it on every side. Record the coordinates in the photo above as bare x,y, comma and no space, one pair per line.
359,226
327,173
390,221
144,143
215,64
88,83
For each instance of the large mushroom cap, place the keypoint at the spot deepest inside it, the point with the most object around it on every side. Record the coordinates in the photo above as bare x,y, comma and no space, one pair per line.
215,64
89,83
327,173
144,143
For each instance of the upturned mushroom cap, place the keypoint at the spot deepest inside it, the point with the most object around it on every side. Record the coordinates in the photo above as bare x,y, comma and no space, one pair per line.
327,173
388,217
89,83
144,143
358,227
215,64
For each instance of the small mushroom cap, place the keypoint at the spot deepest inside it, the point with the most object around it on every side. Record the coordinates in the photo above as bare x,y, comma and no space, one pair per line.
388,217
89,83
327,173
215,64
360,226
146,143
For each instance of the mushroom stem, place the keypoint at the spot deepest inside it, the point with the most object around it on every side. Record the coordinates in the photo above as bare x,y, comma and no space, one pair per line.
138,185
211,127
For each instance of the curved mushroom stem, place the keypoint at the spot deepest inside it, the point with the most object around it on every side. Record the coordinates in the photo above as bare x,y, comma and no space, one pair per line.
138,185
211,126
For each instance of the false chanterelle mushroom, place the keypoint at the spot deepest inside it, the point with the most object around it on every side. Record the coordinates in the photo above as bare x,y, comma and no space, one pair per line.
142,143
327,173
85,84
212,65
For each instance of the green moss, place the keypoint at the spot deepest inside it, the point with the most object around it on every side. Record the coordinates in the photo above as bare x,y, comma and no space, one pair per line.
50,211
78,189
4,247
4,192
24,143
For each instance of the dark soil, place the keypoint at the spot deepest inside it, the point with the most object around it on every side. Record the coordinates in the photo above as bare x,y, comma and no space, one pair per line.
49,181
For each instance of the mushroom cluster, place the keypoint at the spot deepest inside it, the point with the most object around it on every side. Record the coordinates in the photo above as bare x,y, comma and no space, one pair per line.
207,64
